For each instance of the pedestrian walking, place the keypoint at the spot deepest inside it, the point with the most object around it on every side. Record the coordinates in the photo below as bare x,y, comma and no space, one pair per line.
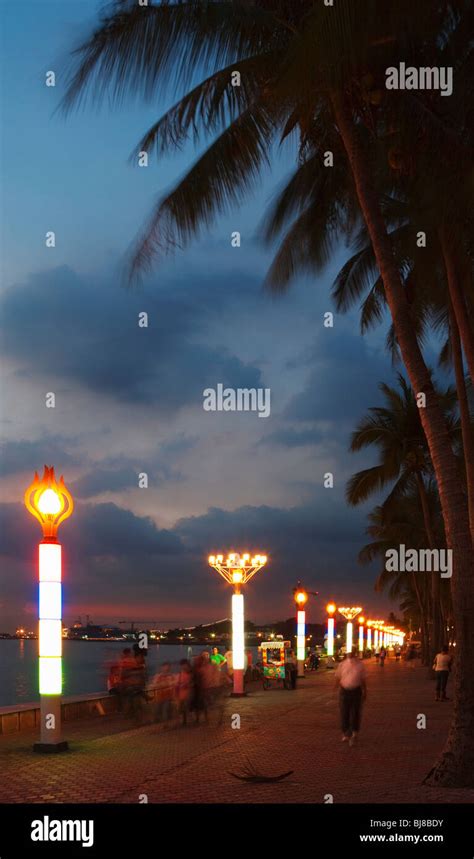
165,683
201,675
183,689
383,654
292,666
350,677
442,666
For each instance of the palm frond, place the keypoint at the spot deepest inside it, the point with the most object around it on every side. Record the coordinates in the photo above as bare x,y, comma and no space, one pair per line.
140,49
208,108
216,181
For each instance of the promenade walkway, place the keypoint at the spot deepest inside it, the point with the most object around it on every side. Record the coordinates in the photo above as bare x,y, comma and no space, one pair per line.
280,730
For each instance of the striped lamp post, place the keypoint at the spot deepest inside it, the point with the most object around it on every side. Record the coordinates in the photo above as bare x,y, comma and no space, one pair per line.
50,503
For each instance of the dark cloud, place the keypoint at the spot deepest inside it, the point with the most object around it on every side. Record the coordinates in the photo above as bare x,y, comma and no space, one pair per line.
289,437
344,379
94,530
104,480
58,325
23,455
113,474
116,558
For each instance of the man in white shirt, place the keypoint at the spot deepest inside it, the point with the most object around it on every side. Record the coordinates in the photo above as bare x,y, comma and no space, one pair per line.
442,667
350,677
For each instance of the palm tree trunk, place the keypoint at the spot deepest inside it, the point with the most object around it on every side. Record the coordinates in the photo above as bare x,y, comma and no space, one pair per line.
456,295
466,426
436,638
456,765
423,623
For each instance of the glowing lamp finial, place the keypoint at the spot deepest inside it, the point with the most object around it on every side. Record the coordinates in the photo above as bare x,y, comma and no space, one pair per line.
49,502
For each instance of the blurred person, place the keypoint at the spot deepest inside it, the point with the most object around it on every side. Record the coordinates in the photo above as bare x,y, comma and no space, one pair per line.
202,672
229,663
217,658
113,679
136,681
291,665
183,689
383,654
442,667
165,682
216,687
350,677
248,676
411,655
126,667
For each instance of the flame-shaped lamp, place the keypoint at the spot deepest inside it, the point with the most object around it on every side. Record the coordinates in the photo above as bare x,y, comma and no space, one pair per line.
50,502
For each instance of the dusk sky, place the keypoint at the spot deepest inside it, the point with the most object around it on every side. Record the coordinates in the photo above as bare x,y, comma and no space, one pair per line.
130,400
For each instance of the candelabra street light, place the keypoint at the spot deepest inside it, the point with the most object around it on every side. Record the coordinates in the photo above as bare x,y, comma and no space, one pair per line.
237,570
349,613
50,503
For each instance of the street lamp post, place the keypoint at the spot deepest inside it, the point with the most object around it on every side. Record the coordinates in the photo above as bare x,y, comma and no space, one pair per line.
331,610
237,570
361,633
51,503
369,635
301,598
349,613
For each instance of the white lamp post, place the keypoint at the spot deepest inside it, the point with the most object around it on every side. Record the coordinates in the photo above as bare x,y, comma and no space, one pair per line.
331,610
361,634
237,570
301,598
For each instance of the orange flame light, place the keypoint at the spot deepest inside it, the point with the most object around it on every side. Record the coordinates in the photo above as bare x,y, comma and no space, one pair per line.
301,597
49,502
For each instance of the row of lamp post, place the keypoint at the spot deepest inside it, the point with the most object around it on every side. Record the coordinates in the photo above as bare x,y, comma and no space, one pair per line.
373,634
50,502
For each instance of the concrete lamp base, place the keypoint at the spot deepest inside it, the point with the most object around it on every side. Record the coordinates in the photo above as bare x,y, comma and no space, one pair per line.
51,748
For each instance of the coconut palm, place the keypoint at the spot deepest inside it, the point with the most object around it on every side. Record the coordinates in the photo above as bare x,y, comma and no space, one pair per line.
303,65
402,522
426,280
404,464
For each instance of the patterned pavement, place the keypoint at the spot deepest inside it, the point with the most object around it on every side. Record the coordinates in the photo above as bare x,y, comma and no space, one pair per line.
109,761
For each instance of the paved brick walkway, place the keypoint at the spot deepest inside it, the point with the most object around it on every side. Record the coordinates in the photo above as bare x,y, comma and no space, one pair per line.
280,731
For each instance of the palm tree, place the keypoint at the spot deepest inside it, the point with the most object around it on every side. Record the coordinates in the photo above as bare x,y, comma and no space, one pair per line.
303,66
427,285
396,430
402,522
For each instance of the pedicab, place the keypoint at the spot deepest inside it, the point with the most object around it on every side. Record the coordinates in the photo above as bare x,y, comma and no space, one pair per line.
275,661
